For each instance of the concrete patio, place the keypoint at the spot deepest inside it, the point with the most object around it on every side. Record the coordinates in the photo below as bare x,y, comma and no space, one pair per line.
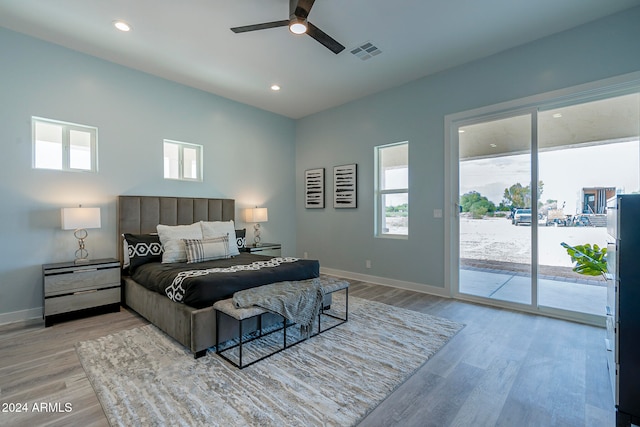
580,295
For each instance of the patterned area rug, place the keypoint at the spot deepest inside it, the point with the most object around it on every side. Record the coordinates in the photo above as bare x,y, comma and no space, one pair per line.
142,377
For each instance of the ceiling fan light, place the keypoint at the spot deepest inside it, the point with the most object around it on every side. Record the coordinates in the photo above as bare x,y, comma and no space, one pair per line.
298,25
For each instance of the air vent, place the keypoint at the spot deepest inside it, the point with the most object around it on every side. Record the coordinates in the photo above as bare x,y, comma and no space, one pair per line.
366,51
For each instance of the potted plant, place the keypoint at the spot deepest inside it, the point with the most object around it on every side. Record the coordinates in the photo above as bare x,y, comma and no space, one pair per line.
590,260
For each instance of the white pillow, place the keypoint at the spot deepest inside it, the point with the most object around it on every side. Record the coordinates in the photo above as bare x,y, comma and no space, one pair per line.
125,253
171,239
212,229
207,249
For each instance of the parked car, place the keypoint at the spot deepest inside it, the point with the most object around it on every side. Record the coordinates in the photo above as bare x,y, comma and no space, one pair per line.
542,220
521,216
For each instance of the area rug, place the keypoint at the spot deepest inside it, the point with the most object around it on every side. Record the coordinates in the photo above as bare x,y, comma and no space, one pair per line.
142,377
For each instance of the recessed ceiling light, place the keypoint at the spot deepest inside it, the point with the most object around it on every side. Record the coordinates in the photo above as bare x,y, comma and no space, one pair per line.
492,145
460,130
122,26
557,115
275,88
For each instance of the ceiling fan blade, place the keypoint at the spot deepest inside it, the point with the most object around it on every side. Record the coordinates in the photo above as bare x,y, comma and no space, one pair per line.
300,8
324,39
262,26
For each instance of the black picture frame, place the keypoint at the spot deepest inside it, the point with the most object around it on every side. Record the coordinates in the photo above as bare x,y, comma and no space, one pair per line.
314,188
345,186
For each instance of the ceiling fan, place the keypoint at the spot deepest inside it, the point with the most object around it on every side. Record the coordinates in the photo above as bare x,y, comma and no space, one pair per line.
298,24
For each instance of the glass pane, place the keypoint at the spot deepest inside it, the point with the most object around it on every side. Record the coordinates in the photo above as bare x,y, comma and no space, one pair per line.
171,161
48,146
495,209
396,215
588,153
80,150
190,156
394,161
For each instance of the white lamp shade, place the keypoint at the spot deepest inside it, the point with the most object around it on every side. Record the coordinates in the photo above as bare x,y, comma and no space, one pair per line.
257,215
75,218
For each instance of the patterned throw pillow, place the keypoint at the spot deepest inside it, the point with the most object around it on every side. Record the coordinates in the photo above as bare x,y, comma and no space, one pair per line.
142,248
241,239
212,229
172,237
199,250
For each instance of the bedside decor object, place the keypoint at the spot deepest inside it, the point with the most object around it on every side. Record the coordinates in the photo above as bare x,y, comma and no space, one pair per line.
345,186
256,215
314,188
79,219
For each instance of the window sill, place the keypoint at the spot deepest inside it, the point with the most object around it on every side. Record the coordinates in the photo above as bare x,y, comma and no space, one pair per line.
392,236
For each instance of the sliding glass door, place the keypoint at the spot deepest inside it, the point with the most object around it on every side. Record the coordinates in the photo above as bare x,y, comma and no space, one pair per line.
529,185
588,153
495,209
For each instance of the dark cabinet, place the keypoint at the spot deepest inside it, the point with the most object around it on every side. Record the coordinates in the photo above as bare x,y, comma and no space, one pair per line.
623,305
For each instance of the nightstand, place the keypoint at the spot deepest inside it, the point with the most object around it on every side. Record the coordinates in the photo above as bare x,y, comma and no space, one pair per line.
69,287
270,249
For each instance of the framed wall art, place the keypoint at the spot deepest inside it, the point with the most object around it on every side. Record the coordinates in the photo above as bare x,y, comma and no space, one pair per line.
314,188
345,186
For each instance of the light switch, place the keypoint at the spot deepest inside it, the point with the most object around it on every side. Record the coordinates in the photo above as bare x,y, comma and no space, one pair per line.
437,213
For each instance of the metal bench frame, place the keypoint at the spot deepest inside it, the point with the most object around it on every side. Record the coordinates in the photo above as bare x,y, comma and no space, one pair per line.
242,340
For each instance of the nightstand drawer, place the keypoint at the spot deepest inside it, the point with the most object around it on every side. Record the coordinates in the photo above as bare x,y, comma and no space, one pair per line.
81,300
80,279
269,249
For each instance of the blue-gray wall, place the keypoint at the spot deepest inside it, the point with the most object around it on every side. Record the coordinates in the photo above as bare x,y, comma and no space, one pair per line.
253,156
249,155
343,239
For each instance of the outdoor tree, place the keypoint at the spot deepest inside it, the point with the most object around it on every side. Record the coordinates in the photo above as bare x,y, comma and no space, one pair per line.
477,204
400,210
518,196
503,208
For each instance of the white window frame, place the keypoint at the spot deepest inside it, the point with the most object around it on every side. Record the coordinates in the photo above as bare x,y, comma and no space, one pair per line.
380,209
67,127
181,146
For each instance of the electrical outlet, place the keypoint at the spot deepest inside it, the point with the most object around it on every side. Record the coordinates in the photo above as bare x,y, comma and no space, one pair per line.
367,263
306,255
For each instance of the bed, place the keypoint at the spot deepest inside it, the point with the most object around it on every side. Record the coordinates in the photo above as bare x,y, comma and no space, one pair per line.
194,326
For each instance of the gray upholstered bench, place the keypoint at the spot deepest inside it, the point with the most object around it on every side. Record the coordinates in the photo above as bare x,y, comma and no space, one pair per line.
240,315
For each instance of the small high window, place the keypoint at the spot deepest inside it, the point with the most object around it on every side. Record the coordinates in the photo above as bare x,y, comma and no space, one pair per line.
392,190
182,161
64,146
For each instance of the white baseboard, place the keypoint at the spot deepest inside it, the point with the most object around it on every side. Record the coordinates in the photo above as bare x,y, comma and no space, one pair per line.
34,313
401,284
20,316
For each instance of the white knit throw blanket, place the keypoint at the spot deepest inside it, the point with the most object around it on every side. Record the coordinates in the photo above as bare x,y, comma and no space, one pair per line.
299,301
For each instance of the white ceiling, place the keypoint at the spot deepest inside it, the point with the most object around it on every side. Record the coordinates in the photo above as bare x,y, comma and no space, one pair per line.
604,121
189,41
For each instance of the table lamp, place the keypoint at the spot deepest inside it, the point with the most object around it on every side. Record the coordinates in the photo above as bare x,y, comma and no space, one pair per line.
79,219
256,215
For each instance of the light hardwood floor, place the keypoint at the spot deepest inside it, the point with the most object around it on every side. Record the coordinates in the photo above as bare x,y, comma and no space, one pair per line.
504,368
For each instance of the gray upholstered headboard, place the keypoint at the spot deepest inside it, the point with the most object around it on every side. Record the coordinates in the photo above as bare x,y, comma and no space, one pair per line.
141,214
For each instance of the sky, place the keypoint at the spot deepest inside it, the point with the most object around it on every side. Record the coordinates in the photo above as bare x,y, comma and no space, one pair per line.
564,172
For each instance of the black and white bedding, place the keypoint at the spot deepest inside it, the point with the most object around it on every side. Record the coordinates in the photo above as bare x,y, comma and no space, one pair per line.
201,284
